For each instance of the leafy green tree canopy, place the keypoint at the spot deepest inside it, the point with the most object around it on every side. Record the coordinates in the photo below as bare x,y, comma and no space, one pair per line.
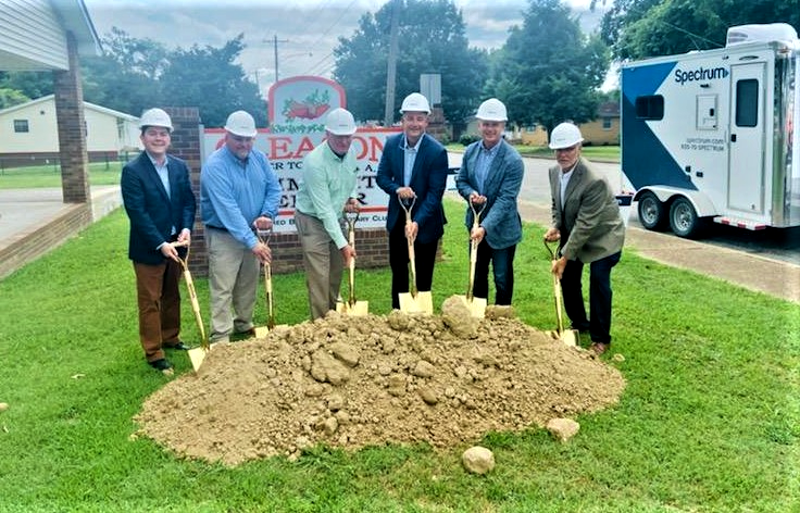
549,71
136,74
637,29
431,39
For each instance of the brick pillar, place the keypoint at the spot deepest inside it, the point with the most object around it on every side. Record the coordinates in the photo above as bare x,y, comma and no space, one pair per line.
186,145
72,129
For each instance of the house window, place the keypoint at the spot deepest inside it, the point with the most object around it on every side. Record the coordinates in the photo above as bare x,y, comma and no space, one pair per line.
606,123
650,107
21,126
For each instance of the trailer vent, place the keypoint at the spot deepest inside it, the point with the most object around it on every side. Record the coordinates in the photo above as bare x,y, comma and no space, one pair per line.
767,32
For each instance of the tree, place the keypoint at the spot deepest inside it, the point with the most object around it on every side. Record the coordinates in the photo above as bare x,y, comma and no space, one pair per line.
126,76
26,84
136,74
637,29
432,39
548,70
10,97
209,78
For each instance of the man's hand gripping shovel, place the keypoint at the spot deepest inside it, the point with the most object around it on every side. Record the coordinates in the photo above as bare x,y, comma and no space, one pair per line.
569,337
196,354
414,301
352,306
264,237
476,305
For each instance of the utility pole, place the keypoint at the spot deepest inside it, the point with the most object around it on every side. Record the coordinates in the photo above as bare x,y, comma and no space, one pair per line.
388,113
275,42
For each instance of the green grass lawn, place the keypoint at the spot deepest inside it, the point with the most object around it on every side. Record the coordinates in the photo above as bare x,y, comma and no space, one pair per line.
100,173
708,421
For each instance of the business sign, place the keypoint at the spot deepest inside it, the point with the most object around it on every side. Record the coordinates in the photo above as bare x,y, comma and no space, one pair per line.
297,110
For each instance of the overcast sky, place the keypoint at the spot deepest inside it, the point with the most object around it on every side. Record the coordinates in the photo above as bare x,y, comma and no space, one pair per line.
306,30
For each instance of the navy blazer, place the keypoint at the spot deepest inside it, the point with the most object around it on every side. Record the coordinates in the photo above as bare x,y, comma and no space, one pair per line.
152,213
500,217
428,180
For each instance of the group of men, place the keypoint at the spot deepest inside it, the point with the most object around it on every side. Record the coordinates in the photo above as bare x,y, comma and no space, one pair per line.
240,194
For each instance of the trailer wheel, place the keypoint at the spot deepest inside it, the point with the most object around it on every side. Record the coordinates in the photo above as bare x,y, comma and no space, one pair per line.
683,218
651,212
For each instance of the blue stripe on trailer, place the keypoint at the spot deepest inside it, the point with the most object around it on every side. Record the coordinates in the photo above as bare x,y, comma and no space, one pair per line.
645,160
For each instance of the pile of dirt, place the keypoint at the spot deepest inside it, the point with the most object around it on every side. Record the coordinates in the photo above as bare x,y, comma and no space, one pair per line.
356,381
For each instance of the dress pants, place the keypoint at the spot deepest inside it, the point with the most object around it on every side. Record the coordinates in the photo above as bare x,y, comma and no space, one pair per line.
233,277
398,260
502,261
159,302
599,296
323,264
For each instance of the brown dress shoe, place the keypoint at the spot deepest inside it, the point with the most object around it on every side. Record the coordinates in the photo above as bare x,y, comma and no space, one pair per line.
598,348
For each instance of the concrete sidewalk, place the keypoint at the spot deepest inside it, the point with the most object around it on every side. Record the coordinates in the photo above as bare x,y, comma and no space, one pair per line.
773,277
35,221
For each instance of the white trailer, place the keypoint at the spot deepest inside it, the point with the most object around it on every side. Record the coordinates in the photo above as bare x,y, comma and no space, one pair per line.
708,135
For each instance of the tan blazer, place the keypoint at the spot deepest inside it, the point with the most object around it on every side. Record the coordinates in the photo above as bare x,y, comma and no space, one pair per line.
590,223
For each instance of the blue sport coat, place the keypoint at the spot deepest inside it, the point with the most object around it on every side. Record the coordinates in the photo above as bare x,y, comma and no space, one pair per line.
152,213
428,180
501,188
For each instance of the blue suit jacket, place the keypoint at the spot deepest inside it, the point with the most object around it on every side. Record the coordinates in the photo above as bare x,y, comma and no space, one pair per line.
500,217
152,213
428,180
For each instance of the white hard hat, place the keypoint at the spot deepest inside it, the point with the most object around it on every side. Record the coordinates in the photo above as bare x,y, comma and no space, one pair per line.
340,122
242,124
492,110
155,117
565,135
415,102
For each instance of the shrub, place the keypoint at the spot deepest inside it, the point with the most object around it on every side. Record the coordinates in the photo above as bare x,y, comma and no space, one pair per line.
467,139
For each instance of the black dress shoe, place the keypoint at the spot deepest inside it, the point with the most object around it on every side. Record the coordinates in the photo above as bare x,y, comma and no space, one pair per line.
162,364
180,346
247,333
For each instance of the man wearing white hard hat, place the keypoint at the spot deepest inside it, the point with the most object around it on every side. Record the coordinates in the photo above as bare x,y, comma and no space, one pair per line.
158,199
239,196
587,222
413,168
327,187
490,179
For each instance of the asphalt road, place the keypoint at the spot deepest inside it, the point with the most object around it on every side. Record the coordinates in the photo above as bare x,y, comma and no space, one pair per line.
779,244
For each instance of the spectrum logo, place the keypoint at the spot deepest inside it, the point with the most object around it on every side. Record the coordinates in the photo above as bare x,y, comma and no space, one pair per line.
700,73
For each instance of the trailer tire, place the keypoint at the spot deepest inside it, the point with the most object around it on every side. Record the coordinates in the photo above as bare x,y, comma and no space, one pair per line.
683,219
651,212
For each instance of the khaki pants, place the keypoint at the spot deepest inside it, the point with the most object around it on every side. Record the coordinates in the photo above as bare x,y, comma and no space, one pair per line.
323,264
233,275
159,306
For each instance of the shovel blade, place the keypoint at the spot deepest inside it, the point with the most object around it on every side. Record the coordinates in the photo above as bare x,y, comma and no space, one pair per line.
196,356
423,303
570,338
261,331
359,308
476,306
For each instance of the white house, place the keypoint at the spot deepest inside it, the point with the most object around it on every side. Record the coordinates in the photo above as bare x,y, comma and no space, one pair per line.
29,133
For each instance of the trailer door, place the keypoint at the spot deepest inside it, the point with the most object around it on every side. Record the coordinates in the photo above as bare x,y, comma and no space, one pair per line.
746,166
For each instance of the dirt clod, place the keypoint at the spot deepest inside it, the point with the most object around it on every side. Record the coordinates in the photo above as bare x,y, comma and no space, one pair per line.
356,381
478,460
563,429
